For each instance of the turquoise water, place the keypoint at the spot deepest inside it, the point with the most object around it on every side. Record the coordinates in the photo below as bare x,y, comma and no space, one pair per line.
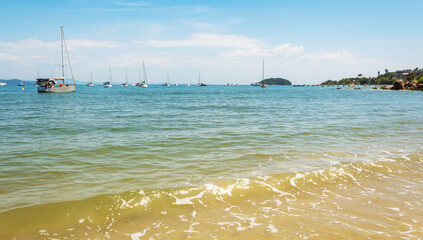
65,147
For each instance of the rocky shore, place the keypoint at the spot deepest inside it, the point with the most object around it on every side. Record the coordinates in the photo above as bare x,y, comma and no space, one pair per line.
400,85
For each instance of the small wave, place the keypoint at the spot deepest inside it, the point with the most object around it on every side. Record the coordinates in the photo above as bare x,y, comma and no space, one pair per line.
357,199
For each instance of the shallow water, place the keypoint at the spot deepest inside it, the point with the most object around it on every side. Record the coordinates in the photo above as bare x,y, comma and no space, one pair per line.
214,162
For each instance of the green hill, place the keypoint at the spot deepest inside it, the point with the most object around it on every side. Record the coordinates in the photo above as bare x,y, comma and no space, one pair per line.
276,81
387,78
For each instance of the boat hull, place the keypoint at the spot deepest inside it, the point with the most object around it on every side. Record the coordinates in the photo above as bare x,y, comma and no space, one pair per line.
61,89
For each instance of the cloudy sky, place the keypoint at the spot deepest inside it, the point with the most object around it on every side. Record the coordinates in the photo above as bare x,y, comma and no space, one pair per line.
305,41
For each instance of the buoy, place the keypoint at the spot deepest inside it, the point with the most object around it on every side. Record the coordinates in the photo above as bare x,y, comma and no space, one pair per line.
22,88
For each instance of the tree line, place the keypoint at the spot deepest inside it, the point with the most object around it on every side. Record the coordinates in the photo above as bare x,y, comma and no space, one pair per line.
414,76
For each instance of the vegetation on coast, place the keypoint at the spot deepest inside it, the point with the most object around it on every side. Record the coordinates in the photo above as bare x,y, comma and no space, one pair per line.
408,79
276,81
414,76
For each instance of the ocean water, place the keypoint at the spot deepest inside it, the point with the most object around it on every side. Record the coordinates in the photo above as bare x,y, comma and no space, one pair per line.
214,162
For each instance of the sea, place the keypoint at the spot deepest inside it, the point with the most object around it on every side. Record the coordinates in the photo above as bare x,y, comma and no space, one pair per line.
213,162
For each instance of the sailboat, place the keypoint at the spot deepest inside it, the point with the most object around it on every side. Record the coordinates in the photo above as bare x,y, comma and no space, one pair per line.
200,84
110,83
91,84
167,84
51,85
144,83
125,84
263,85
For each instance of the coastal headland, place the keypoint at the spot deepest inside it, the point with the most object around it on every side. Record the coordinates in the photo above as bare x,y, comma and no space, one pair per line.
408,79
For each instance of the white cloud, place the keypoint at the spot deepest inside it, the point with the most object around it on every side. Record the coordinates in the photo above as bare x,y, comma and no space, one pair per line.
207,40
7,57
35,44
334,57
279,50
25,45
216,55
93,43
134,4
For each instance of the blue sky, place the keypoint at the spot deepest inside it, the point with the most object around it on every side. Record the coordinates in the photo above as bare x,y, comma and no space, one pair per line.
305,41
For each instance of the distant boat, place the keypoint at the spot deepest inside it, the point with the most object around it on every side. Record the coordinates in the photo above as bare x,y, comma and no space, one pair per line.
21,84
2,84
125,84
109,84
200,84
255,84
188,84
91,84
262,84
167,84
51,85
144,83
175,84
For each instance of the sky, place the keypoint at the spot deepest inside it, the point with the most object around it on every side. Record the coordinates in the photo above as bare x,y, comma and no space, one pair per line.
304,41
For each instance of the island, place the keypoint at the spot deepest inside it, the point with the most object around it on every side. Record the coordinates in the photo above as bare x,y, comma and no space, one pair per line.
275,81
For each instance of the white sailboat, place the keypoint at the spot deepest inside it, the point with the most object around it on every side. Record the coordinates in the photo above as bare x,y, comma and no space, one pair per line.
200,84
51,85
167,84
91,84
125,84
263,85
109,84
144,83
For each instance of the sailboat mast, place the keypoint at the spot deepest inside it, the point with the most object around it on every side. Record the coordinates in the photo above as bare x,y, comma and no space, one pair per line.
110,72
126,76
144,73
92,78
262,76
167,77
199,77
67,54
61,45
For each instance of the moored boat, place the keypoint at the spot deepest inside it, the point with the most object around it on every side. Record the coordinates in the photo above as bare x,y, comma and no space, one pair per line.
167,84
144,83
262,84
125,84
109,84
200,84
58,84
91,84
